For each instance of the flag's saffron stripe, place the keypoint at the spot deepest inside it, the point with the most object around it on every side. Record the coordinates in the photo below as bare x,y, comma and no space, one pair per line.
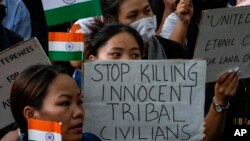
73,12
67,37
47,126
65,56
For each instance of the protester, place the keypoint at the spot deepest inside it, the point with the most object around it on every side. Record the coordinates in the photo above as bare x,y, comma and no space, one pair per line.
239,104
138,14
176,24
155,47
225,87
111,42
39,28
114,42
162,9
239,111
17,18
8,38
81,26
45,92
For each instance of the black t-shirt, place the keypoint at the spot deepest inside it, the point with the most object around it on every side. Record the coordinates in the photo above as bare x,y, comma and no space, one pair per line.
90,137
173,49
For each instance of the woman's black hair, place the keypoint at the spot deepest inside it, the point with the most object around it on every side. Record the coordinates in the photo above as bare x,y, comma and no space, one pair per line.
111,10
101,33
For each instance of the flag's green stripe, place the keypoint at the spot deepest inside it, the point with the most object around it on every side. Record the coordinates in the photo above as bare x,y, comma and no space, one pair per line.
65,56
73,12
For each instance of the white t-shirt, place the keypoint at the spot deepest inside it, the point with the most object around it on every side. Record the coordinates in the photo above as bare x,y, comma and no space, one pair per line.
169,25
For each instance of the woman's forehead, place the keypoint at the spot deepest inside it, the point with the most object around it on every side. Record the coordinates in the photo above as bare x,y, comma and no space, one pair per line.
130,5
63,82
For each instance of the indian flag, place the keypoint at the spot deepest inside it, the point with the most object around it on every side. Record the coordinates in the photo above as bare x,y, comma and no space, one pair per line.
66,46
60,11
40,130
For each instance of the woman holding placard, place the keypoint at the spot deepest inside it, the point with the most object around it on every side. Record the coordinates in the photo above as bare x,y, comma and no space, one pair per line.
225,87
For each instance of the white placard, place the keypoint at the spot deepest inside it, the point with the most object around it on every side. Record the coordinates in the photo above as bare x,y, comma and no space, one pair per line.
224,40
12,61
145,100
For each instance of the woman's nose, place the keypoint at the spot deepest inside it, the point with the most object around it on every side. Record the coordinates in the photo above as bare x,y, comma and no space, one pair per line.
78,111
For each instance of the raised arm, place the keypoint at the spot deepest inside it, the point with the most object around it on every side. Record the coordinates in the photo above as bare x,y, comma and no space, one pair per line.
169,8
225,89
184,11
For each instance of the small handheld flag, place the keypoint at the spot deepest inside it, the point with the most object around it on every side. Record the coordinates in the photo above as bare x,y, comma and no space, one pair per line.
40,130
66,46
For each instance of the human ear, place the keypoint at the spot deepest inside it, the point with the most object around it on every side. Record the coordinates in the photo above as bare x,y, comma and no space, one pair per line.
29,112
92,57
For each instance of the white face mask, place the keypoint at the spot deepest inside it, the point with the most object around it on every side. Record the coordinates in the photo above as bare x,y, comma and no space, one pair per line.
146,27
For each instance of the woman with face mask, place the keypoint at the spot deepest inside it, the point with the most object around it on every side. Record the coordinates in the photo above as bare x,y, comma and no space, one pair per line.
138,14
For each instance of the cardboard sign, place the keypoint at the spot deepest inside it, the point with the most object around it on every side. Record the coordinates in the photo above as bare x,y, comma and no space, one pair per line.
224,40
145,100
12,61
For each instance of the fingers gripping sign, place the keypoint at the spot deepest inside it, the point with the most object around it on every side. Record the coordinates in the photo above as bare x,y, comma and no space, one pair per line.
226,86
